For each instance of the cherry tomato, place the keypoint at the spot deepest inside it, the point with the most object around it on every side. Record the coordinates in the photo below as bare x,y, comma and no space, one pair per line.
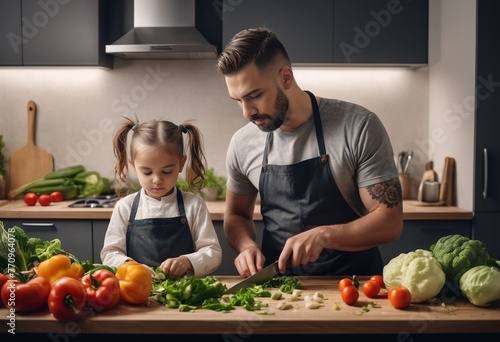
379,280
56,196
370,288
399,297
350,295
44,200
345,282
30,198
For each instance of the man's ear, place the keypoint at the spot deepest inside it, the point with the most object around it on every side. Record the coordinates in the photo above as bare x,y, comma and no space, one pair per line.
286,75
183,161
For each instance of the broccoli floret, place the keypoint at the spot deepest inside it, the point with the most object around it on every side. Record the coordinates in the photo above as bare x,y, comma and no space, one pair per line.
457,254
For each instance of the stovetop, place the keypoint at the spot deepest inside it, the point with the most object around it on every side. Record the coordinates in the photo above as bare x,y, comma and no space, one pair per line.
101,201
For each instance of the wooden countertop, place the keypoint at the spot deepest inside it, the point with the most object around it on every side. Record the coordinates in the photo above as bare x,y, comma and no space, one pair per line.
413,210
335,317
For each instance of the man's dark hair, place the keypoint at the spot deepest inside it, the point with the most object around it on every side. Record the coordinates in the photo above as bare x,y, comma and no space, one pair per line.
257,45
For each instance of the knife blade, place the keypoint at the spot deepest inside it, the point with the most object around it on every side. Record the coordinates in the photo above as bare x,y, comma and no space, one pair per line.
267,273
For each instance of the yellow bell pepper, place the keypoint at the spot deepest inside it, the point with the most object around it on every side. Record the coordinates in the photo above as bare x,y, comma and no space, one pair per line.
59,266
136,282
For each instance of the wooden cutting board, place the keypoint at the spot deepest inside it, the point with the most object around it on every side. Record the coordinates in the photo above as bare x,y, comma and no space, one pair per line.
30,162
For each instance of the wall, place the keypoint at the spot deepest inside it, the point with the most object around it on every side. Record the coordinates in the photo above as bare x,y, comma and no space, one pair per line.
451,91
78,108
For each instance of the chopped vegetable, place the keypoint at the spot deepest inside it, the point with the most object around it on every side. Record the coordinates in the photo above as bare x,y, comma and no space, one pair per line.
284,284
284,306
189,290
457,254
481,285
418,271
277,295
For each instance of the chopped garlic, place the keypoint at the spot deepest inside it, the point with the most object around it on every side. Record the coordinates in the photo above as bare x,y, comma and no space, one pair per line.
310,304
284,306
277,295
318,297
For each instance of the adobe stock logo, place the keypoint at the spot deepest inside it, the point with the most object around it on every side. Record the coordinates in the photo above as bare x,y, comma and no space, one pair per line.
31,26
373,28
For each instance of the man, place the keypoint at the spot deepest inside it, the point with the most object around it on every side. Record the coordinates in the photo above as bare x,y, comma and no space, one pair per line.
324,169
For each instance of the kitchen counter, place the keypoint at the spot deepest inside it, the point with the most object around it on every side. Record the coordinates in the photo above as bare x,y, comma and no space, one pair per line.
413,210
457,315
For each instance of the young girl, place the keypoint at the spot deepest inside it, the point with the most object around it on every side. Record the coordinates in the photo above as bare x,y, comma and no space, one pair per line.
160,225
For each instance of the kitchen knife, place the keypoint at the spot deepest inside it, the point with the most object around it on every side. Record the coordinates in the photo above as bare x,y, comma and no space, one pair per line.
267,273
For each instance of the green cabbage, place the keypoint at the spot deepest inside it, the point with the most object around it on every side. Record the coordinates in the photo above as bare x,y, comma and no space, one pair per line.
418,271
481,285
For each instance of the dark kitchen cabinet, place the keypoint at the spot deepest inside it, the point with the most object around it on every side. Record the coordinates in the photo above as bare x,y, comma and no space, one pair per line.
380,31
10,33
486,224
421,234
338,31
99,228
58,33
75,235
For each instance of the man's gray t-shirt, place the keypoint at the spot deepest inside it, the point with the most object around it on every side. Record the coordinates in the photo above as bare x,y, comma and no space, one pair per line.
359,149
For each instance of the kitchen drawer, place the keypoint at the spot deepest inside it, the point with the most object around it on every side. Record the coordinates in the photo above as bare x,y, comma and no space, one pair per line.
422,234
75,235
99,228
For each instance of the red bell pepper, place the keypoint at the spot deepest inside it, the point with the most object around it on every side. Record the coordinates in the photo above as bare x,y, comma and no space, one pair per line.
103,289
67,299
25,297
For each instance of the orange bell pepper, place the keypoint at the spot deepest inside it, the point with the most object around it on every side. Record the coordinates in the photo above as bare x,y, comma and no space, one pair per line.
59,266
136,282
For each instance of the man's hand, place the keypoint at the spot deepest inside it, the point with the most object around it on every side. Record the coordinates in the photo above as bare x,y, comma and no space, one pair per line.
249,262
302,249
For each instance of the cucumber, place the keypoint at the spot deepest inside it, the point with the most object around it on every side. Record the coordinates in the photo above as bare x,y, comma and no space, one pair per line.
65,172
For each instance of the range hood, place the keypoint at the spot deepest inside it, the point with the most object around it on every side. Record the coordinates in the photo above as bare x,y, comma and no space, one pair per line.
163,29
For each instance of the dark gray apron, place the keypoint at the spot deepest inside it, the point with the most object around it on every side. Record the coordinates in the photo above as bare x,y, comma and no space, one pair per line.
304,195
151,241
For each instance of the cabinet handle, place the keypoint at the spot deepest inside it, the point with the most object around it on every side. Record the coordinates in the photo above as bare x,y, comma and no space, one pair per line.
485,166
39,226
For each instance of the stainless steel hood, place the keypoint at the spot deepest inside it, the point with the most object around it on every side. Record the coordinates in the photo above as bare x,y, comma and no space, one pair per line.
163,29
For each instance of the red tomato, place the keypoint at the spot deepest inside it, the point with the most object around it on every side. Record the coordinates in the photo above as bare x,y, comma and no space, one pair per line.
56,196
399,297
345,282
30,198
3,280
44,200
371,288
25,297
350,295
379,280
67,299
103,289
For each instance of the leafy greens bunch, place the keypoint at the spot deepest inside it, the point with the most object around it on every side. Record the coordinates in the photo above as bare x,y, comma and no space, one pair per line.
23,252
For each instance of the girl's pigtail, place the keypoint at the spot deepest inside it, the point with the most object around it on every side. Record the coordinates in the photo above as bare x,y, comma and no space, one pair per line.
120,151
196,163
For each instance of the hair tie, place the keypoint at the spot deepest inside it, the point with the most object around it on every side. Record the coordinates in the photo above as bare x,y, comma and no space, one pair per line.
134,127
183,128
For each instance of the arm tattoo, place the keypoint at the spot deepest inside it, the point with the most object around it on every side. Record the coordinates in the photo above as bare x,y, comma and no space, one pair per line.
388,193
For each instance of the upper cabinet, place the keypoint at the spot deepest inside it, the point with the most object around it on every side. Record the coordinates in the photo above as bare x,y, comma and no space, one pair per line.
57,33
357,32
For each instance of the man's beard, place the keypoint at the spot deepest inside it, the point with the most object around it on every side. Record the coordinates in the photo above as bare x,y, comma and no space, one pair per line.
274,121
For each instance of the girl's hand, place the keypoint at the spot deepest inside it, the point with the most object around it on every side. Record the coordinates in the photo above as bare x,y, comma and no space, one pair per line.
176,267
